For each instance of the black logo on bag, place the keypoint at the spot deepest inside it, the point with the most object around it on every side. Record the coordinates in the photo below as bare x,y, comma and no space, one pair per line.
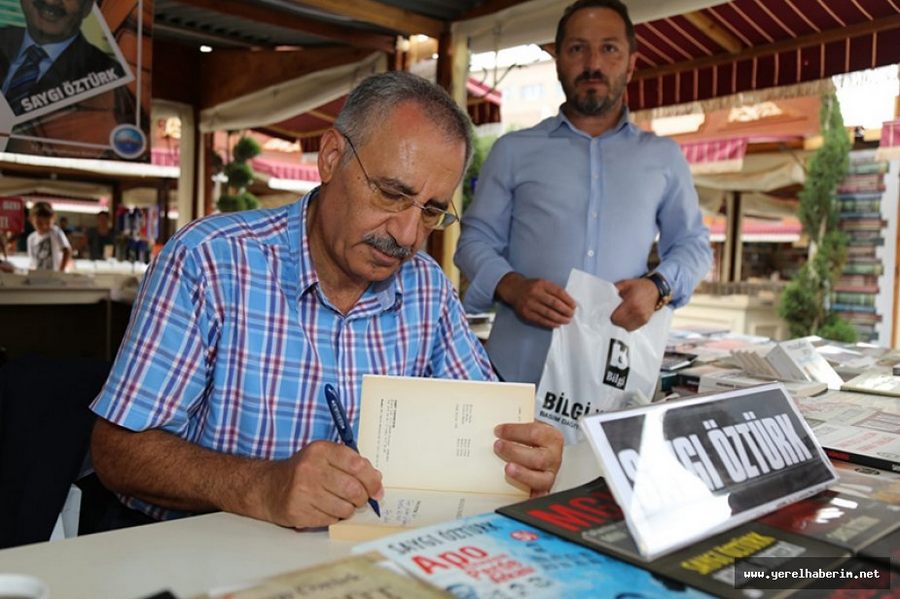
617,365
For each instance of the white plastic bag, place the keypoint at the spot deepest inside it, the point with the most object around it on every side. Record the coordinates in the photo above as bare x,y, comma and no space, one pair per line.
595,366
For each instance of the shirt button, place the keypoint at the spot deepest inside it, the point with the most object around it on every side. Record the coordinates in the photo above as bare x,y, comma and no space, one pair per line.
594,214
591,253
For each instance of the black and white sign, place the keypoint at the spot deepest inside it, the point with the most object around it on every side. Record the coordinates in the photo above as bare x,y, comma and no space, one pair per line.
684,470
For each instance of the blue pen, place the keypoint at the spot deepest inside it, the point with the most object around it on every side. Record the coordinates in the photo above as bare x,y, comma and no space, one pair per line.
344,429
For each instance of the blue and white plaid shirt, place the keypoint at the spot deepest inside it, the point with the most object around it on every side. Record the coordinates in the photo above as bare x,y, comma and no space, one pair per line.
231,340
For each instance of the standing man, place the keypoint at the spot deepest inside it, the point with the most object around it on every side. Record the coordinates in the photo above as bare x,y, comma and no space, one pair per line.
100,236
216,399
585,189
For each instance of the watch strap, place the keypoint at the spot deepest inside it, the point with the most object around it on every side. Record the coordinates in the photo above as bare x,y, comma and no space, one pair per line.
662,287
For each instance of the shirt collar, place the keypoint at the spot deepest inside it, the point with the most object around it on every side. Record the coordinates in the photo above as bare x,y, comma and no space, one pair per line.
561,120
53,50
387,293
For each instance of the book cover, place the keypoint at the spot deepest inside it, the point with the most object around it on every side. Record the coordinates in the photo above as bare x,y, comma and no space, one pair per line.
738,379
588,515
433,442
885,550
843,520
873,381
855,427
798,359
368,575
866,482
493,556
710,565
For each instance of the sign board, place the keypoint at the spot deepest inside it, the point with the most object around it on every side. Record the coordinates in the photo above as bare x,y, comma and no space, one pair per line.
12,215
686,469
76,84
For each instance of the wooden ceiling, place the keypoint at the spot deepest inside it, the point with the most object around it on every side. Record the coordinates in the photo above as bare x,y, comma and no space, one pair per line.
734,46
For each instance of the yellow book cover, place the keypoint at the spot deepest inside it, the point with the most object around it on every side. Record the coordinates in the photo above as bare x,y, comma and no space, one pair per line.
433,441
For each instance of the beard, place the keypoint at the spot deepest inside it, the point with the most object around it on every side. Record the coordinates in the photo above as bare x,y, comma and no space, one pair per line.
591,102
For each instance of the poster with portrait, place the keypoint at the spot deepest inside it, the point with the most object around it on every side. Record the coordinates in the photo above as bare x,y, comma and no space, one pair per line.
75,78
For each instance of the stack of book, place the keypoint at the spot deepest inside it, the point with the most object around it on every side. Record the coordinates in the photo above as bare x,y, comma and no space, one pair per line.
861,218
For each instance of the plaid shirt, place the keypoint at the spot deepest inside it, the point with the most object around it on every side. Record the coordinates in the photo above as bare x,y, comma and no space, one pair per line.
231,339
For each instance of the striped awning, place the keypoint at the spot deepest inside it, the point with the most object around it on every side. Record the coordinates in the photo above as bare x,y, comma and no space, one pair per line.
715,156
747,45
889,147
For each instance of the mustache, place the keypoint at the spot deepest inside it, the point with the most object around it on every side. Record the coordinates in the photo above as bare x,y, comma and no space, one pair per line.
56,10
388,245
587,75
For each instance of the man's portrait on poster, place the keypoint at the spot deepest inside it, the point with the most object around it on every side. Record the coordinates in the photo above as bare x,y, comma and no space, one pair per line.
49,63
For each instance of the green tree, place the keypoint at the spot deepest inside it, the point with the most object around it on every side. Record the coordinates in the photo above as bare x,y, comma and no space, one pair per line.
240,175
806,299
482,147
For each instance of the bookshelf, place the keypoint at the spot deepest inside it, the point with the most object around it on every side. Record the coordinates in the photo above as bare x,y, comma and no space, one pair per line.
867,203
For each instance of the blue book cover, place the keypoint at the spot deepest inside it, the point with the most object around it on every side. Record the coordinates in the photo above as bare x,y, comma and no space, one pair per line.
490,555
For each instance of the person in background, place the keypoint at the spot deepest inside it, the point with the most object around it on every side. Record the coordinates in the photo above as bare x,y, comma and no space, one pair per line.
584,189
65,226
100,236
216,398
48,247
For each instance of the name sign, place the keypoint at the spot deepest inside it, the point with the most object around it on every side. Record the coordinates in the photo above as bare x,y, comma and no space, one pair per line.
684,470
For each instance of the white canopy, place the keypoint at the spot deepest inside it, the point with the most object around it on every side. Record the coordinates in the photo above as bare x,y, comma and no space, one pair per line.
288,99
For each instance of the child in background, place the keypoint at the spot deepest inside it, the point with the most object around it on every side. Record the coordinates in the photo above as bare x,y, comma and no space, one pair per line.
48,247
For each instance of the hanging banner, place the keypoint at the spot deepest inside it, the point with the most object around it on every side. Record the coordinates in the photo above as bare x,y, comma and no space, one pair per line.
12,216
75,78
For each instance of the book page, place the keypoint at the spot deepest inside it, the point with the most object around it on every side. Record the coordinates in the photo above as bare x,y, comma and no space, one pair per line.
412,508
437,434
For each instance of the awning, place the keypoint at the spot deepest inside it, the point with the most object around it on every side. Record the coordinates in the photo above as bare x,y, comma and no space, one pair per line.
284,100
715,156
692,50
785,230
482,105
747,45
889,148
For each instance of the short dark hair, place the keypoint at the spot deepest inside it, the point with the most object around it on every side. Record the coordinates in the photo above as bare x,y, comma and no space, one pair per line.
376,96
103,213
42,209
615,5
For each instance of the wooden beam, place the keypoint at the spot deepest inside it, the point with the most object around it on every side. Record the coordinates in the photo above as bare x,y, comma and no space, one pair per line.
489,8
229,74
713,31
375,13
323,29
824,37
321,115
176,72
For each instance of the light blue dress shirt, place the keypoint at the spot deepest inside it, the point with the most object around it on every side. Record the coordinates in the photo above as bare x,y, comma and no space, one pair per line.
53,51
552,198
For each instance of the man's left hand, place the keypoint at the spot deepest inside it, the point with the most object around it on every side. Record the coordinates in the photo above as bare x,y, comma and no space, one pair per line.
639,297
533,452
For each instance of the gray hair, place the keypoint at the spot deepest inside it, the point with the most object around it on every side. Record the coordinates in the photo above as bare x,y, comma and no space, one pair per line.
376,96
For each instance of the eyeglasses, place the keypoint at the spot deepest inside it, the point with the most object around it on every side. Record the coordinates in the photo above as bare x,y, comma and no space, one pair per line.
392,201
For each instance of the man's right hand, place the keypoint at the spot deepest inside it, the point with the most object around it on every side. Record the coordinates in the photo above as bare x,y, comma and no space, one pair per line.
319,485
537,301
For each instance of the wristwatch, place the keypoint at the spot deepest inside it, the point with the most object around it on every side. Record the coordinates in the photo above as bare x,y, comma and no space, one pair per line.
662,286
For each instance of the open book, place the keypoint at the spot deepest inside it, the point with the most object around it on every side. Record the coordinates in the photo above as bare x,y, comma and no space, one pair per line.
794,360
433,441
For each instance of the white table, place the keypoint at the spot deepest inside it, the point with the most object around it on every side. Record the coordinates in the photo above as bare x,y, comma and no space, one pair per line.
199,554
188,557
